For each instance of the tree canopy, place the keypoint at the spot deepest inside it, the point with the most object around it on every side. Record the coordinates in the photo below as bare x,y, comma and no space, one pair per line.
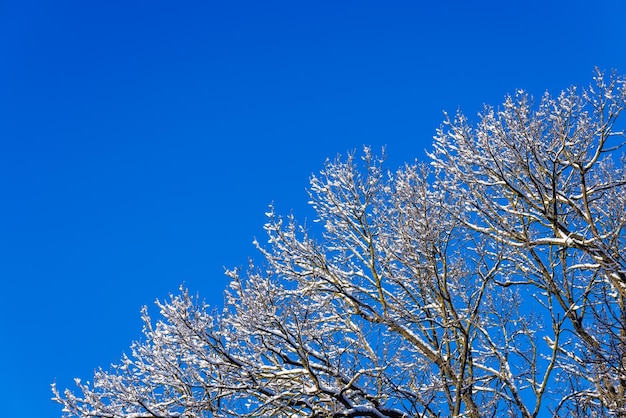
490,280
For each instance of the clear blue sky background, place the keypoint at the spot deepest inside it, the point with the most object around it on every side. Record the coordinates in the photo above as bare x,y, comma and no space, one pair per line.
141,142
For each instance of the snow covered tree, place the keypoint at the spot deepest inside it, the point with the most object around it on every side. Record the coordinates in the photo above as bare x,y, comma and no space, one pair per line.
491,282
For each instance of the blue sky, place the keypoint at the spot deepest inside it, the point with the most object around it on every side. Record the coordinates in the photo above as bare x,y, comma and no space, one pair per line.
141,142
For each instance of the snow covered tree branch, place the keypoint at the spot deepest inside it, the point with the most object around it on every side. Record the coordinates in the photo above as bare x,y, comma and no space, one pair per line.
490,282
